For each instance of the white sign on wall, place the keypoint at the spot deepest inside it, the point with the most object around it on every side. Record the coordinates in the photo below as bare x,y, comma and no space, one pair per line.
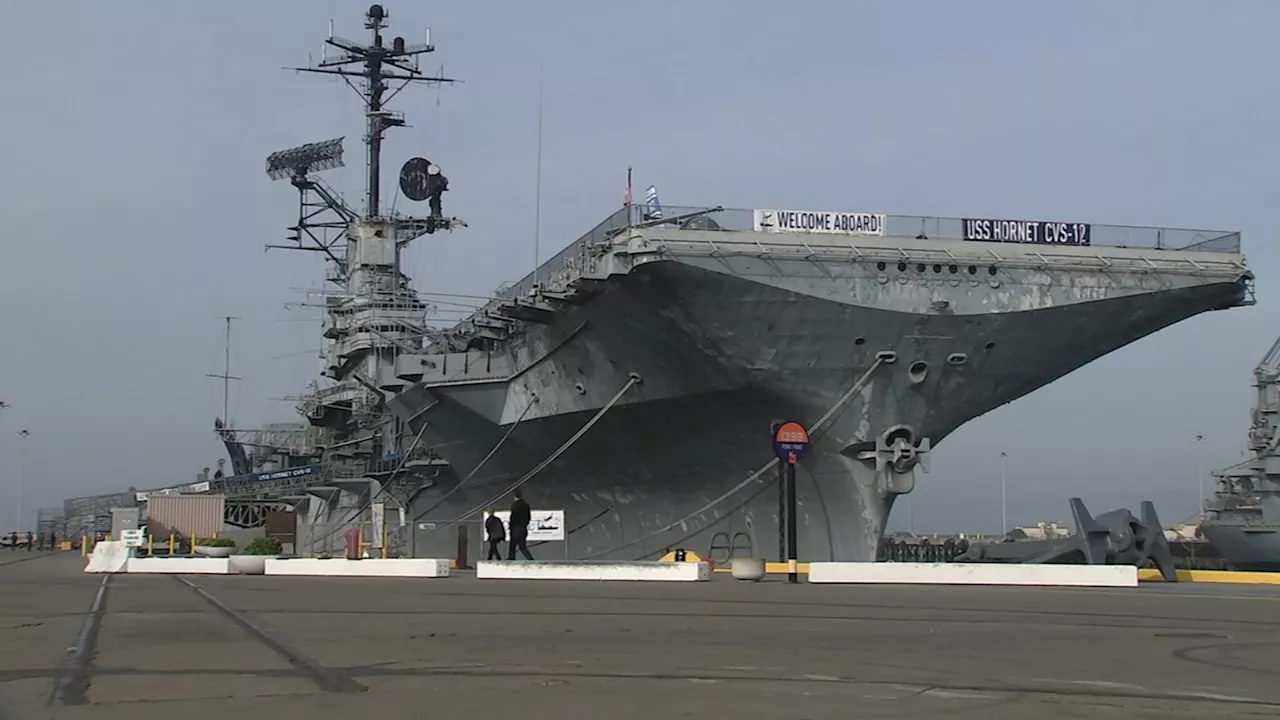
544,525
131,538
811,221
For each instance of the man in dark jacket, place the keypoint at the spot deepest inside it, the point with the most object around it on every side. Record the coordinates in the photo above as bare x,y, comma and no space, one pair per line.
519,524
495,533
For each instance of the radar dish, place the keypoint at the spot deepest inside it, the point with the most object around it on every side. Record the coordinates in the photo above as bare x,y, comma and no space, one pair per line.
413,179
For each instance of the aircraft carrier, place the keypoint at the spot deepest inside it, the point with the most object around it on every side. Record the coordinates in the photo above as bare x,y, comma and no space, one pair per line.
633,379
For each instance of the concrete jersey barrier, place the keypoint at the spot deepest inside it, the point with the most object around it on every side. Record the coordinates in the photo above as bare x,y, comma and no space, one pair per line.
627,571
108,556
369,567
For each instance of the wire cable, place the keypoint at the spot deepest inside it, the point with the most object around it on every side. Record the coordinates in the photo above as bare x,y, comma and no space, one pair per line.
815,430
635,379
483,460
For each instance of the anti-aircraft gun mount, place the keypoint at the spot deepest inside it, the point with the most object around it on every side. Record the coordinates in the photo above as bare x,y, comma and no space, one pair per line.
1112,538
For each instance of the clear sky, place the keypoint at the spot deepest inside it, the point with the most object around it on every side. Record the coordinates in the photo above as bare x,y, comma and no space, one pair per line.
134,206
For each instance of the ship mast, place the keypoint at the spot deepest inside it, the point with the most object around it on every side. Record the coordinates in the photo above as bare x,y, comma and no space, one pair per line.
373,315
380,68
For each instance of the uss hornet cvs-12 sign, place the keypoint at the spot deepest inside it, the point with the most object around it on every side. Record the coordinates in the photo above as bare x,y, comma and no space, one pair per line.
807,221
1026,231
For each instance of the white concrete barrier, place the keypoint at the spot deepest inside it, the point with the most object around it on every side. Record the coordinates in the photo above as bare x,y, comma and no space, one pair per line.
651,571
371,567
180,565
108,556
905,573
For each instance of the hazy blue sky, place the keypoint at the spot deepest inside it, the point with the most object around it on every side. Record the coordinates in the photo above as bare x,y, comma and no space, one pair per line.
135,205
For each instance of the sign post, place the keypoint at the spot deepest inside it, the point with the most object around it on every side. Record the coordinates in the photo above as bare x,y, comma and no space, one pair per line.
790,441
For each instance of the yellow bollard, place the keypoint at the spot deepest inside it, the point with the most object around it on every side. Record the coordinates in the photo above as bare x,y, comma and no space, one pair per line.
151,546
84,546
170,544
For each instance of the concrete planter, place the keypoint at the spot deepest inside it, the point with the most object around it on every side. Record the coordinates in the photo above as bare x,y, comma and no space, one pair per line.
214,552
752,569
249,564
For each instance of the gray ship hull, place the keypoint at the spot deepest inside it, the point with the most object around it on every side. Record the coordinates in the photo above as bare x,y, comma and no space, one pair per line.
725,345
1252,548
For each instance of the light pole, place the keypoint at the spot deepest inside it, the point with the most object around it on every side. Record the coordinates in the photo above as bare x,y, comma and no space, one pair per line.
5,406
1199,476
1004,490
22,475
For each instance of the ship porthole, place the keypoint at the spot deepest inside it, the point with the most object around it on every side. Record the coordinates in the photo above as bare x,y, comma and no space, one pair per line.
880,266
991,269
577,387
859,341
989,346
902,267
957,358
937,268
918,371
973,269
952,269
920,267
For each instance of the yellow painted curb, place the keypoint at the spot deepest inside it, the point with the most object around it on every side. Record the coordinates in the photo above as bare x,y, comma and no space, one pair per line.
1215,576
773,568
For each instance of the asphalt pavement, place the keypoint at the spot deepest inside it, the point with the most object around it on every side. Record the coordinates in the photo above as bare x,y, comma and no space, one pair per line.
205,647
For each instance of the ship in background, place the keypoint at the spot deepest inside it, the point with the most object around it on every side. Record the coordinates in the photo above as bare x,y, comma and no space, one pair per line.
1242,519
633,378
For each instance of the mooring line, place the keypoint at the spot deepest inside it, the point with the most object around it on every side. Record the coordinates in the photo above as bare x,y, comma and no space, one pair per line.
326,679
72,683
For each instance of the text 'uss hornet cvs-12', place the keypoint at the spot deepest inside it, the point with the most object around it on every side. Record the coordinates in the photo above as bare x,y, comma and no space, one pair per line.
633,378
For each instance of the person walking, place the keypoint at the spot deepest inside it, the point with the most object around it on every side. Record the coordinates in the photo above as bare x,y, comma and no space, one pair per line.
495,533
519,524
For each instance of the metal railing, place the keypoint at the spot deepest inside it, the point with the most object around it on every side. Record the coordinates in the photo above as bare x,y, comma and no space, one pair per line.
719,219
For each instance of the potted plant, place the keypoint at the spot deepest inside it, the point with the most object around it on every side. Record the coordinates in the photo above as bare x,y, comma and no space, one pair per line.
215,547
253,559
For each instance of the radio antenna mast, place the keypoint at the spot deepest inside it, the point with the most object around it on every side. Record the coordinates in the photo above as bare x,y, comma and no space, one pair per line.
382,70
226,375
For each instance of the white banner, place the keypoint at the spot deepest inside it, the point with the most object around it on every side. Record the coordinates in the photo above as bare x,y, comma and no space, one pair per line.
808,221
544,525
379,511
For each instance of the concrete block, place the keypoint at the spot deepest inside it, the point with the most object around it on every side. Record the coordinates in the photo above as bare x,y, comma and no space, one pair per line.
180,565
973,574
371,567
632,571
108,556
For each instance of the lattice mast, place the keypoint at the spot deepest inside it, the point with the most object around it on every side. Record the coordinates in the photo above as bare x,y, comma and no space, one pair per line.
380,68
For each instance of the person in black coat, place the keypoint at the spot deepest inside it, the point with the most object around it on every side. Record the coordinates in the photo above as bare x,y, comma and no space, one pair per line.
519,524
495,533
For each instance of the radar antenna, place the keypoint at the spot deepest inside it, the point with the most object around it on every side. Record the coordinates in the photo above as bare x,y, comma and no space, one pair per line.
381,68
377,73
